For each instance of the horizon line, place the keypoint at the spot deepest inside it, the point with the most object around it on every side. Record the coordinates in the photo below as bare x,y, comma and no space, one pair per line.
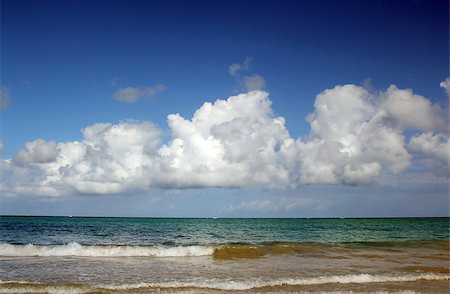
217,217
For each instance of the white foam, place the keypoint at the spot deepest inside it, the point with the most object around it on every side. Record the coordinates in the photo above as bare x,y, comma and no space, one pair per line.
48,289
18,282
75,249
37,287
252,284
226,284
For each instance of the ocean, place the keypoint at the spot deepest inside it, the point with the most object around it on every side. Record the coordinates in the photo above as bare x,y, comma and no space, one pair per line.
194,255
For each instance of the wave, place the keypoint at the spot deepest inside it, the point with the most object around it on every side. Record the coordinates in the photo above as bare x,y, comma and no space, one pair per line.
230,285
247,284
75,249
217,251
228,251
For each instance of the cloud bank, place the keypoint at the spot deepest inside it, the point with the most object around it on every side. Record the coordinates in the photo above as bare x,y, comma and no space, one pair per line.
355,137
281,204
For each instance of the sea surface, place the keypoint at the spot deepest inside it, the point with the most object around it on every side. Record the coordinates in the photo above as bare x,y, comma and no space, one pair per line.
192,255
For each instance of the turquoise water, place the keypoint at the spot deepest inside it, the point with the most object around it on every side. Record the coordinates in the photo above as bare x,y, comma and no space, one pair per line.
185,255
192,231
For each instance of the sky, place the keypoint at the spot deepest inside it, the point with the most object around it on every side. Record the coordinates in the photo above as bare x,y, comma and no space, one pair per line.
224,108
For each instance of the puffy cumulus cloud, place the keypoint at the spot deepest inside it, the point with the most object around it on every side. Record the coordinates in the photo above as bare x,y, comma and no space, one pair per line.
355,137
5,98
111,159
413,111
435,150
37,151
349,141
133,94
228,143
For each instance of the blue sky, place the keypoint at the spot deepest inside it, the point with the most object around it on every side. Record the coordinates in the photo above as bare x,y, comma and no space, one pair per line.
62,62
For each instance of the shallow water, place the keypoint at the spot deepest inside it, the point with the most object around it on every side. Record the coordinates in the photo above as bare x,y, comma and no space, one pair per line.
102,255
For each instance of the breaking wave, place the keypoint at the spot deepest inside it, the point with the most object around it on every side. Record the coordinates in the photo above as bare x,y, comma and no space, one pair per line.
247,285
232,285
75,249
218,251
226,251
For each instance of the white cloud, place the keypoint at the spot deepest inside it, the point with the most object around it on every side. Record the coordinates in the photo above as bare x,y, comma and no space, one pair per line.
248,82
37,151
5,98
133,94
413,111
251,205
435,145
289,204
229,143
235,142
254,82
110,159
235,68
435,150
279,204
2,147
349,141
446,85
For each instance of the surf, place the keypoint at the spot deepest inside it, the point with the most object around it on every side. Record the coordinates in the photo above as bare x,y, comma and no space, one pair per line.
224,284
75,249
227,251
